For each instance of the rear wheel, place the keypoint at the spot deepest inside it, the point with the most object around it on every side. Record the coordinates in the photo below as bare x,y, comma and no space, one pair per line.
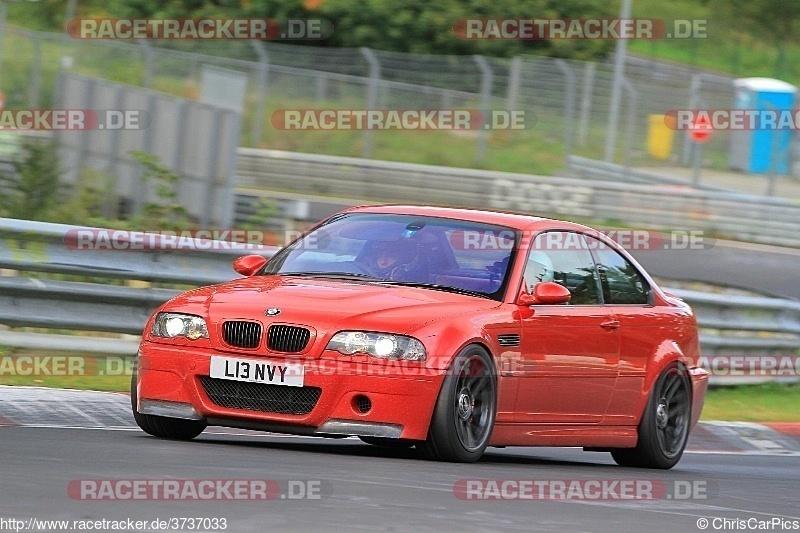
463,418
162,426
664,427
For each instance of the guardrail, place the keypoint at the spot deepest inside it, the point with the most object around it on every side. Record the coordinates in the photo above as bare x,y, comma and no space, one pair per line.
644,205
730,325
593,169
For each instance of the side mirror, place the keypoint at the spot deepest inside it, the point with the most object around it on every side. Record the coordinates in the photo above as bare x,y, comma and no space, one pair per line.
545,293
248,265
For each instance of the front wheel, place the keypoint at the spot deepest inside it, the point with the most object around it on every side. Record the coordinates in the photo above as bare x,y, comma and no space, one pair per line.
162,426
664,428
463,418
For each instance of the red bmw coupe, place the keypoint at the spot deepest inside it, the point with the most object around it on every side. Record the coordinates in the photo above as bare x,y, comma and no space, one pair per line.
446,329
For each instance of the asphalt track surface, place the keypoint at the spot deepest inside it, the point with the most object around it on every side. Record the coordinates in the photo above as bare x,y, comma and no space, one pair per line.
365,488
769,270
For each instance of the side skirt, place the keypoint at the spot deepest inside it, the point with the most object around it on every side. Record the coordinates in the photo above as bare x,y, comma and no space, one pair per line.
564,435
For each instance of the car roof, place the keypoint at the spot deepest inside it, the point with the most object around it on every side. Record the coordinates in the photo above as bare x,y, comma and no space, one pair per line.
520,221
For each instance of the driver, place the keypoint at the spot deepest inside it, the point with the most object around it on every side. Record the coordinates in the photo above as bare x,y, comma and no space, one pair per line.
391,260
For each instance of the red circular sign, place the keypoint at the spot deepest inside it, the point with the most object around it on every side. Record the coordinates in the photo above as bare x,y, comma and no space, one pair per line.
701,129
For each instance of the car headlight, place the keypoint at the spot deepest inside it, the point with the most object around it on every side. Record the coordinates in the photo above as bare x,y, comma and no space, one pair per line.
172,325
380,345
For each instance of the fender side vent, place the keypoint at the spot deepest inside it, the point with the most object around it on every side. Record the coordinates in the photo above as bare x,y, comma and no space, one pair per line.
508,339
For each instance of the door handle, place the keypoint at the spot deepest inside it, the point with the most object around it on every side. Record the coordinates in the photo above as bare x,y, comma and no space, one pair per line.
610,324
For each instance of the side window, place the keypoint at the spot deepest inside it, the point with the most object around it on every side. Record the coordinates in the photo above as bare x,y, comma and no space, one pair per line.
564,257
622,283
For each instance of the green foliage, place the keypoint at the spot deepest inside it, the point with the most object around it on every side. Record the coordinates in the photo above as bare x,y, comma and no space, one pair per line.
421,26
31,188
166,212
265,210
418,26
775,21
92,203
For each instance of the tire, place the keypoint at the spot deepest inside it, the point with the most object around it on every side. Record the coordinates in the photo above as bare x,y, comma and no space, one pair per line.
664,427
162,426
388,443
463,418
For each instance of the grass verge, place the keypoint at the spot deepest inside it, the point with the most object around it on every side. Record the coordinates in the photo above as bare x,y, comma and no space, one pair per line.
764,402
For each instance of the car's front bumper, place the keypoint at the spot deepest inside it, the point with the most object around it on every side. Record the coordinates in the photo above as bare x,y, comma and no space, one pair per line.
168,384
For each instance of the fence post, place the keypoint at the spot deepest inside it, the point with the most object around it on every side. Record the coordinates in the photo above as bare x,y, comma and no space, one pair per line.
140,189
229,210
514,76
586,101
261,90
616,88
630,123
3,17
148,63
694,99
486,94
112,176
36,74
569,105
372,93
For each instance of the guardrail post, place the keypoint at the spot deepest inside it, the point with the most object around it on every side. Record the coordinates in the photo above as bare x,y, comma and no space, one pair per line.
261,90
486,94
372,94
569,105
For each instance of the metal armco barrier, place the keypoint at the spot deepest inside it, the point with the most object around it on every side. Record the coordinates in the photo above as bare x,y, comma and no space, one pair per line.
730,325
643,205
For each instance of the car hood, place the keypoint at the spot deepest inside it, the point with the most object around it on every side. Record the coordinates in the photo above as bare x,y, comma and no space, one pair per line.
330,304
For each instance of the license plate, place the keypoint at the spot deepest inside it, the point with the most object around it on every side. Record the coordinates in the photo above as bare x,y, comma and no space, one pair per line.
256,371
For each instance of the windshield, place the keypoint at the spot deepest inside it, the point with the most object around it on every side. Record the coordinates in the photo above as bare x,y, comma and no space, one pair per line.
437,253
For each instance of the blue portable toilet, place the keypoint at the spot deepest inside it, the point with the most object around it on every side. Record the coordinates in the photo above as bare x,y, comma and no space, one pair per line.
753,150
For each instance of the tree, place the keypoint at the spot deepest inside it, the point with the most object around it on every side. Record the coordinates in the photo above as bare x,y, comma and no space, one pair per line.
777,21
31,188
